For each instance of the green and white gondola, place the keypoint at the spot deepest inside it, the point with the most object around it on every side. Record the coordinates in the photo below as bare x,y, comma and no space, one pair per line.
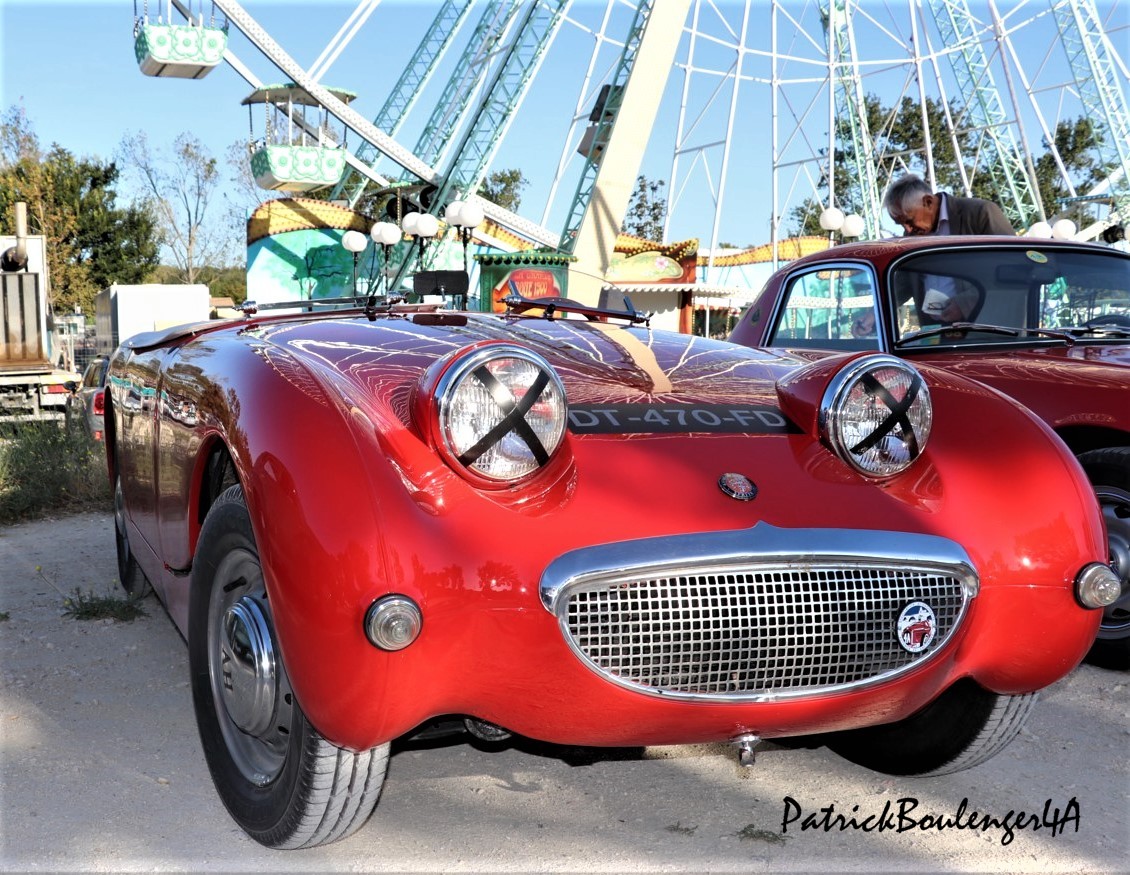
181,51
295,156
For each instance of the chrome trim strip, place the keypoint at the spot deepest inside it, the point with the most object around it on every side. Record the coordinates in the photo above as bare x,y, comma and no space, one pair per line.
627,560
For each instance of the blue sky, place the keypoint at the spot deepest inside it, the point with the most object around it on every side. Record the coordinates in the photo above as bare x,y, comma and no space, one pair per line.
71,65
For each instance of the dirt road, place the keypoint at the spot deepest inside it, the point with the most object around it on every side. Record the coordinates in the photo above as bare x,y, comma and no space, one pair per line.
101,770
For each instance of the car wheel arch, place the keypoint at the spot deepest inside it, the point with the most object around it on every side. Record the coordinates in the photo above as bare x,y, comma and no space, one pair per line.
1086,438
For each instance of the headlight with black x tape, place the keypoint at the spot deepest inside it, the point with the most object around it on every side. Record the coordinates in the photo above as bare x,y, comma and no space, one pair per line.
500,413
876,415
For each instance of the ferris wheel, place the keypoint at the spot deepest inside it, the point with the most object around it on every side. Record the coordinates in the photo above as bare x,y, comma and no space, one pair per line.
750,112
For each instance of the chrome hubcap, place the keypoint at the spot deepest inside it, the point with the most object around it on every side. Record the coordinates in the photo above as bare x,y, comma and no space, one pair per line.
252,694
1116,511
247,660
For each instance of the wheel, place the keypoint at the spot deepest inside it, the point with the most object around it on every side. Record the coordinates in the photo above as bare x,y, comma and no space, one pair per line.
963,727
282,782
132,578
1109,472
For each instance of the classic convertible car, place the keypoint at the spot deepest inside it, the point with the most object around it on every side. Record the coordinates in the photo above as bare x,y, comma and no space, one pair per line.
563,524
1047,322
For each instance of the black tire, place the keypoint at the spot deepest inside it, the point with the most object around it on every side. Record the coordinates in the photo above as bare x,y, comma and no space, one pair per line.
130,575
281,781
962,728
1109,472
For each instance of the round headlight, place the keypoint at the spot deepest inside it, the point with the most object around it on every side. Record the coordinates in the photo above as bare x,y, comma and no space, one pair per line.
876,415
501,413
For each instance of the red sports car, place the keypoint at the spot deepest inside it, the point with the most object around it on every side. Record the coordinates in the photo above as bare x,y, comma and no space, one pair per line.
1044,321
563,524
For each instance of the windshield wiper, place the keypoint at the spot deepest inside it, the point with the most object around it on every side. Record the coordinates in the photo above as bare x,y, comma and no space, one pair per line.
1101,330
516,303
966,327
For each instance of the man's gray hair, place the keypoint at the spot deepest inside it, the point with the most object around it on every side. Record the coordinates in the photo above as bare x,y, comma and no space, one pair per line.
903,192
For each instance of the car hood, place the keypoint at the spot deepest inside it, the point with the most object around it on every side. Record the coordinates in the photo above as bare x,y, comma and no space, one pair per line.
597,362
1098,365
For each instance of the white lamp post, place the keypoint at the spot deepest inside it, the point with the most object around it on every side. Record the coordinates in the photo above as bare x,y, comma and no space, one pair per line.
422,226
427,226
355,242
833,220
853,226
463,216
385,235
1064,229
1040,229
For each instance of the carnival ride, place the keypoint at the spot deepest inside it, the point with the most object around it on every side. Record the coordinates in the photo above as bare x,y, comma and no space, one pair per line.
749,111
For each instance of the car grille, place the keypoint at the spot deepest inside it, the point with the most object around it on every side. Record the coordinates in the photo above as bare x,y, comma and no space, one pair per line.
771,631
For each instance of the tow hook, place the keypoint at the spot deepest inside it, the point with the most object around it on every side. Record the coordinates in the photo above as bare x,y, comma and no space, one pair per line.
745,745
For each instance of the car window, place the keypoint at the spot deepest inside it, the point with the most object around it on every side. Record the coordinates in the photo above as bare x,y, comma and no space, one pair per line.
831,308
1080,290
1012,288
94,374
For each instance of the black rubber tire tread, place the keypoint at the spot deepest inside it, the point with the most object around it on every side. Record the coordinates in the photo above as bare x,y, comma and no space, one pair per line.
323,793
130,575
963,727
1109,467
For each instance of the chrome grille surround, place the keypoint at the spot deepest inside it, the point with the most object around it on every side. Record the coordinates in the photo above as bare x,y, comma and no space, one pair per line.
762,614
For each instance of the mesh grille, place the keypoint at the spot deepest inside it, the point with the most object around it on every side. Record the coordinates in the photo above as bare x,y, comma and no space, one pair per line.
774,630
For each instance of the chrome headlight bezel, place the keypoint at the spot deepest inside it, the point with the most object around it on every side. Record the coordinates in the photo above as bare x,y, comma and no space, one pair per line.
486,425
876,415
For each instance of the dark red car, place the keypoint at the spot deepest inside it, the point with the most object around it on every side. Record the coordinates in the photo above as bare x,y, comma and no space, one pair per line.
1045,321
586,532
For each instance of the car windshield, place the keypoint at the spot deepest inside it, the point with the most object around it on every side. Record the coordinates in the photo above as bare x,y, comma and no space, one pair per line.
1084,292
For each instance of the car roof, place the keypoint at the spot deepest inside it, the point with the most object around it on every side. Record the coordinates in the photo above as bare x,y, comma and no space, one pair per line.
882,252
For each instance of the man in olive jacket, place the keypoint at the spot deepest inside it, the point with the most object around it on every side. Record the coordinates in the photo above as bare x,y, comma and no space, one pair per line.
921,212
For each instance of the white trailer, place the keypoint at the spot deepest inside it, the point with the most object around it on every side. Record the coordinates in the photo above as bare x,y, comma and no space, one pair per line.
122,311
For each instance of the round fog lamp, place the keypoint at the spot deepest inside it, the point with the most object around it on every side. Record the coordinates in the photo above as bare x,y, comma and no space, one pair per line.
393,622
1097,586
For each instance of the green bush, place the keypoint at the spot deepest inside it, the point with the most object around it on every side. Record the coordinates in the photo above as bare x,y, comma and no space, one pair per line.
45,468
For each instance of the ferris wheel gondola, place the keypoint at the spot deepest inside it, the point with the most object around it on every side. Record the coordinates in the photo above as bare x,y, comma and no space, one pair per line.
180,51
296,153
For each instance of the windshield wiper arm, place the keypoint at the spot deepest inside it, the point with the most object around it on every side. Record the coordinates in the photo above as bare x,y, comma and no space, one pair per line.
966,327
1111,330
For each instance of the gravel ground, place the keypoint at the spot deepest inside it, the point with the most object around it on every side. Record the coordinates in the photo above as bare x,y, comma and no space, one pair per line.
101,770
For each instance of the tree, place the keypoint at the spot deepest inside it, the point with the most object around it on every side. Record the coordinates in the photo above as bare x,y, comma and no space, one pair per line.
242,195
226,282
899,146
181,188
646,210
1075,143
222,282
898,140
504,187
91,241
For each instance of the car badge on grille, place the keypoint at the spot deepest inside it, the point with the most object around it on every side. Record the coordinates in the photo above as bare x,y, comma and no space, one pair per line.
737,486
917,627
